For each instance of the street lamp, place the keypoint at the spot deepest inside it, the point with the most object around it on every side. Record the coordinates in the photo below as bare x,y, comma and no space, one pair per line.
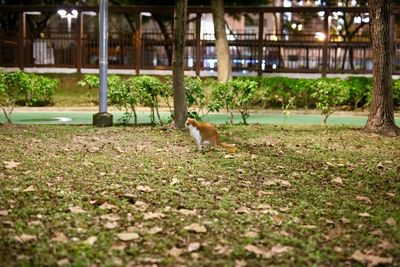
68,15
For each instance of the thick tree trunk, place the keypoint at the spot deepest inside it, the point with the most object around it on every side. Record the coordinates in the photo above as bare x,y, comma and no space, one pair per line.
180,107
221,42
381,116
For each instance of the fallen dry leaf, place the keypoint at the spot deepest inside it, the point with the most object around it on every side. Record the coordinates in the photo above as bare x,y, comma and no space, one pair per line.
337,249
345,220
364,199
29,189
251,234
187,212
126,236
76,209
141,206
240,263
154,230
243,210
153,215
107,206
175,252
385,245
63,262
174,181
110,225
110,217
309,226
3,212
370,260
193,247
391,221
197,228
259,252
279,249
223,250
144,188
364,214
280,182
59,237
11,164
337,181
25,238
377,232
90,241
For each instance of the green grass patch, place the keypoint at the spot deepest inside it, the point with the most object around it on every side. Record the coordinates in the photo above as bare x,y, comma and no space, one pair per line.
301,195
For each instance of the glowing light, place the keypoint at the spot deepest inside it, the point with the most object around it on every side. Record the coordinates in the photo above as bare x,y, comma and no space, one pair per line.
365,20
321,13
69,16
274,66
320,36
274,38
357,20
300,27
294,26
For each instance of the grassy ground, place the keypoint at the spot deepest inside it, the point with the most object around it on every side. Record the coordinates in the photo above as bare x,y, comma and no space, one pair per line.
143,196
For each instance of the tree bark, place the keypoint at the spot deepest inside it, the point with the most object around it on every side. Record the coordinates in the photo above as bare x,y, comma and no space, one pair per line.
221,42
381,116
180,107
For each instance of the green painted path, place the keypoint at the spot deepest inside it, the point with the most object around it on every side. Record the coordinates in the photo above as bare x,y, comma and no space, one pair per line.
76,117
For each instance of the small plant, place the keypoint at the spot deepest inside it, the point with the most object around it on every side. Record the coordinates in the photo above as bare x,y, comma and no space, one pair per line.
396,93
329,94
149,89
122,96
222,97
359,91
195,96
244,92
92,82
238,94
25,88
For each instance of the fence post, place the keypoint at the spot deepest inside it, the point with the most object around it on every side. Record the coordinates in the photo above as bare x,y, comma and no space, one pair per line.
325,43
79,42
198,44
260,42
138,45
21,41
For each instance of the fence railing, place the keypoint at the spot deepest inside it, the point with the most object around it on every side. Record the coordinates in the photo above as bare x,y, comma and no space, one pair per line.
142,49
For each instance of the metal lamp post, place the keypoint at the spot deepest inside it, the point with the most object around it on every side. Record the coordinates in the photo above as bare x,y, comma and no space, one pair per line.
103,118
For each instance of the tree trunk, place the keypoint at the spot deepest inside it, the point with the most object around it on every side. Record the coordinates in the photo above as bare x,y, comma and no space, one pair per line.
381,116
221,42
180,107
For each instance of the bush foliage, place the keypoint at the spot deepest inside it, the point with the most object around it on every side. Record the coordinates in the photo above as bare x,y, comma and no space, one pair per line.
27,89
203,95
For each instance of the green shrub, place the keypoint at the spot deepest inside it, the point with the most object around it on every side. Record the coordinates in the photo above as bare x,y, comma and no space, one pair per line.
396,93
25,89
238,94
92,82
359,89
120,96
329,95
149,89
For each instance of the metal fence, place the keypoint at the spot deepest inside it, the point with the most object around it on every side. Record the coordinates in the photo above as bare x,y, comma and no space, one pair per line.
139,49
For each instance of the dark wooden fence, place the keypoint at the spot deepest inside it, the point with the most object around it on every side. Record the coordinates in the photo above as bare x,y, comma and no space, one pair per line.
257,51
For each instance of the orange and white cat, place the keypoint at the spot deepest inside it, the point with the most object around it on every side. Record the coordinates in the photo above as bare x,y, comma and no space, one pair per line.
205,134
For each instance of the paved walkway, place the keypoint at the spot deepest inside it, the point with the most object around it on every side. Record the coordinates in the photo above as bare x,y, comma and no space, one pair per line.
83,115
